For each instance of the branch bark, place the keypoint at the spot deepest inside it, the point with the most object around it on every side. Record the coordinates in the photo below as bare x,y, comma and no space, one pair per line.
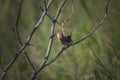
18,35
54,21
27,42
84,38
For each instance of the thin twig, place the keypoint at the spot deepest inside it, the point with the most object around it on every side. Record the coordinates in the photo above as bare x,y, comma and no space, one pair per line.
57,56
84,38
18,36
50,42
63,23
17,21
26,42
48,15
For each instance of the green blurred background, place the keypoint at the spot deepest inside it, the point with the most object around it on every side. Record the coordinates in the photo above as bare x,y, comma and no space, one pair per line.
77,62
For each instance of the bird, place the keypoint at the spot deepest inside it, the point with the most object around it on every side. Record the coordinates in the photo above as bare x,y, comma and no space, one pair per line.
65,40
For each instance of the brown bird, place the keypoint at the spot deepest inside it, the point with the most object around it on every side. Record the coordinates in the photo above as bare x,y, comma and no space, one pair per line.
65,40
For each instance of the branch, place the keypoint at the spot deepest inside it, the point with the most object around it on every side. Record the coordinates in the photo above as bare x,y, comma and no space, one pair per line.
26,42
18,35
56,57
50,42
17,21
72,12
84,38
97,26
49,16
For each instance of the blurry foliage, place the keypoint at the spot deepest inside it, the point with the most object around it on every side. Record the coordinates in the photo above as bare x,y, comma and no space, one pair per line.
77,62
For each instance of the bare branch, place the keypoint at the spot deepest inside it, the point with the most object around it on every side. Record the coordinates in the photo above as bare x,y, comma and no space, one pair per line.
49,16
84,38
53,27
26,42
63,23
50,41
97,26
17,21
18,36
54,20
57,56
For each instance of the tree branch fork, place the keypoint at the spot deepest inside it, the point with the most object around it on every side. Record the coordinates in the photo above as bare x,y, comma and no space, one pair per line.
45,61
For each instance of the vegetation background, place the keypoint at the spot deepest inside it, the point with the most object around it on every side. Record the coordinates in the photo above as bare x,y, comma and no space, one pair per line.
77,62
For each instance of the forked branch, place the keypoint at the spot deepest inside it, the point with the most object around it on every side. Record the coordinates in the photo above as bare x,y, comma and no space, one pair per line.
86,37
50,41
27,42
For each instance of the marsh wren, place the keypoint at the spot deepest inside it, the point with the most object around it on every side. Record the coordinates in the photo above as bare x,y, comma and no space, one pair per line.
65,40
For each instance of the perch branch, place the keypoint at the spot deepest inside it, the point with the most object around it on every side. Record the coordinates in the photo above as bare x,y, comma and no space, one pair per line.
50,42
84,38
